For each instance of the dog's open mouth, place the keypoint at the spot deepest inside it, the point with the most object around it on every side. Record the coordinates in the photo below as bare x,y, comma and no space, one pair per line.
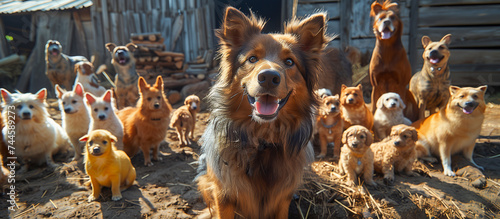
468,108
386,33
267,106
122,60
434,60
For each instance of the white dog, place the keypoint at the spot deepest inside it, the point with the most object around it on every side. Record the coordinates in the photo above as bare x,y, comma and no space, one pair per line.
86,76
103,116
75,116
389,113
37,137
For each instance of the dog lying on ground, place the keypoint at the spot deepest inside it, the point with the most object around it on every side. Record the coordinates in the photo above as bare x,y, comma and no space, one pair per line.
106,165
60,66
430,85
75,116
390,70
257,142
389,113
329,124
38,137
126,77
454,128
103,115
356,157
396,153
354,109
86,76
184,119
146,124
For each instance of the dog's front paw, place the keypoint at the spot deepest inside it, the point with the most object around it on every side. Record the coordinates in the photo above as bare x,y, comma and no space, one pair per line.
92,198
116,198
388,180
449,172
148,163
321,156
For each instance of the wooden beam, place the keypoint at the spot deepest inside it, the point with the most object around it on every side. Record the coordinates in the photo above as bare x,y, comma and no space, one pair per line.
413,43
455,2
345,16
463,37
81,32
459,15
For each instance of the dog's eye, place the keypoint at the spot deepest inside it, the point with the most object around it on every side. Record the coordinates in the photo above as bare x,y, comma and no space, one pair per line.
362,136
19,106
441,47
31,107
391,17
289,62
158,97
462,96
355,94
74,101
387,99
149,98
106,108
252,59
474,96
104,142
91,143
95,110
64,103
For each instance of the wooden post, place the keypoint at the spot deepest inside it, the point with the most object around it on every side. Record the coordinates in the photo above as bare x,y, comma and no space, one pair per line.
414,42
81,32
345,18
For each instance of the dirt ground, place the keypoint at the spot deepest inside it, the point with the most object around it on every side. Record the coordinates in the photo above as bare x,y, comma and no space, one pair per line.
166,190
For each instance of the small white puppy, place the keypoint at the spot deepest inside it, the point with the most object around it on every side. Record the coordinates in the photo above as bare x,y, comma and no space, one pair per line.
86,76
389,113
103,116
75,116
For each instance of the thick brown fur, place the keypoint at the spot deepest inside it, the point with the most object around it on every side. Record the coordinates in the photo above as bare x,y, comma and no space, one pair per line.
330,124
105,165
430,85
252,161
396,153
145,126
454,128
390,69
126,77
354,109
356,157
59,66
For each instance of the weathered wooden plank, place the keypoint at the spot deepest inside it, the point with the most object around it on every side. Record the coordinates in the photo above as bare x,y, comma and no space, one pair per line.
3,45
316,1
177,29
192,34
470,56
155,23
345,23
459,15
202,38
81,34
361,23
333,27
367,44
471,75
97,30
413,43
455,2
332,9
464,37
115,36
185,35
144,22
209,26
137,22
105,21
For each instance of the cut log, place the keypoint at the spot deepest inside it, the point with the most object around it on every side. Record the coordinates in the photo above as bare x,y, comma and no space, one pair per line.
179,64
195,88
167,53
174,96
171,83
155,59
160,41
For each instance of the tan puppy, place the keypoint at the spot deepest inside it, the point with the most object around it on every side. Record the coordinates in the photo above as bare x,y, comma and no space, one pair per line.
430,85
193,102
182,121
354,109
106,165
389,113
396,153
356,158
454,128
329,124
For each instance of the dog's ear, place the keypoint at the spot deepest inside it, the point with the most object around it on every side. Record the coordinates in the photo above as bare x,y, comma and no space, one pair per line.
425,41
453,90
84,138
446,39
110,46
401,103
343,87
6,96
90,98
310,32
79,89
344,136
159,83
369,137
131,47
360,86
142,84
376,8
59,91
237,28
483,88
107,96
414,133
113,138
41,95
380,102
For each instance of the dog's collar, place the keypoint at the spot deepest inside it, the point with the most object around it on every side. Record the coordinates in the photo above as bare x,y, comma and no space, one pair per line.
438,69
328,126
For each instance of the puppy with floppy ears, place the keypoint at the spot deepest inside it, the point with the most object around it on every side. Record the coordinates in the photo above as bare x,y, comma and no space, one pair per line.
389,113
193,102
106,165
75,116
356,157
329,124
396,153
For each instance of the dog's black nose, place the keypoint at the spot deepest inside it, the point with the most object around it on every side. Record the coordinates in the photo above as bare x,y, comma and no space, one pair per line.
194,107
96,150
67,110
269,78
434,53
120,52
26,114
333,108
102,117
350,100
469,104
387,22
354,144
397,143
157,105
393,104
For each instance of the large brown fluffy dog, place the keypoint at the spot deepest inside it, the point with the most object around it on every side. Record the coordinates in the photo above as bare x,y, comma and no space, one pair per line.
390,70
256,144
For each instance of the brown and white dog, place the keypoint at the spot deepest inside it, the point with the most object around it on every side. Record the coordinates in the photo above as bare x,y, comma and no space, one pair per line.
126,77
86,76
430,85
390,69
60,66
329,124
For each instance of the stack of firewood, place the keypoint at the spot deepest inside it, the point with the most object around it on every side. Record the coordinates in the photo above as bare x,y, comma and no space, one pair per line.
151,57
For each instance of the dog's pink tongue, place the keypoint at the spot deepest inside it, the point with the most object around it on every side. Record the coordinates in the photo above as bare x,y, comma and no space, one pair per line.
54,53
468,111
434,61
266,105
386,34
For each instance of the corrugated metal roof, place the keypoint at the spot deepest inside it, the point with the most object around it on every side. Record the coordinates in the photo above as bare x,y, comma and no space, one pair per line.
19,6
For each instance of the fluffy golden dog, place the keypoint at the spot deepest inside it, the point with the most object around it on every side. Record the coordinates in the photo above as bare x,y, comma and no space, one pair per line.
354,109
396,153
356,157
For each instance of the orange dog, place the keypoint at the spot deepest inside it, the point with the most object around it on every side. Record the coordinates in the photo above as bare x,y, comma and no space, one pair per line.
145,126
454,128
390,70
257,142
356,158
354,109
396,153
183,122
329,124
106,165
